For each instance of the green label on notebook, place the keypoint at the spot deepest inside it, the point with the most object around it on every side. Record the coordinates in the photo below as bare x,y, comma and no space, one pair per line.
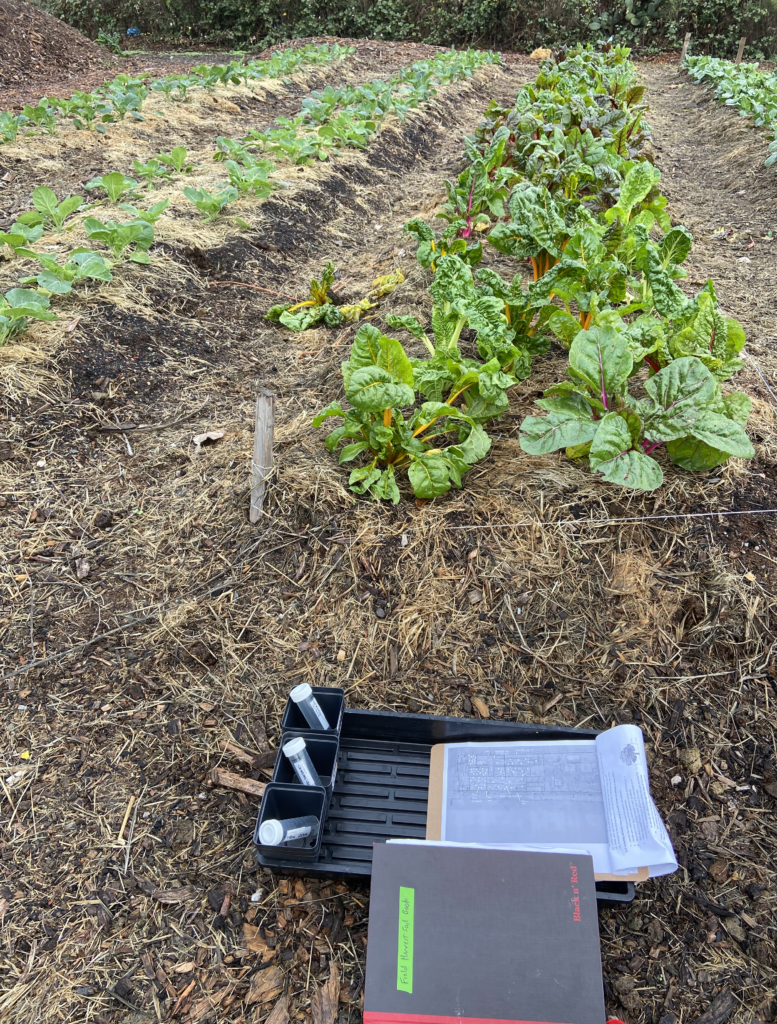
405,945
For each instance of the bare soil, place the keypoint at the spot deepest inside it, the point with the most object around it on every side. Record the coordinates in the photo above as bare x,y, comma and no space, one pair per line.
150,634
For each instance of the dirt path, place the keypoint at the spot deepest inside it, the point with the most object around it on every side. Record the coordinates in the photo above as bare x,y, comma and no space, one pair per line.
185,626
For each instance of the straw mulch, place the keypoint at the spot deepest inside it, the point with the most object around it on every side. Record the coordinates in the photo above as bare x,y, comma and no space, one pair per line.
150,634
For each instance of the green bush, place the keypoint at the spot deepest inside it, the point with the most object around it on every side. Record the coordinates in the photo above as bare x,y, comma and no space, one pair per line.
647,25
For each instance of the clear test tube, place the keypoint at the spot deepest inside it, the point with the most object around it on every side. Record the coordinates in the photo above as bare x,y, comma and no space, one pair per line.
302,696
297,752
275,831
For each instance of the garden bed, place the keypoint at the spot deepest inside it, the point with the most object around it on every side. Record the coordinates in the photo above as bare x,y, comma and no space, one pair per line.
169,631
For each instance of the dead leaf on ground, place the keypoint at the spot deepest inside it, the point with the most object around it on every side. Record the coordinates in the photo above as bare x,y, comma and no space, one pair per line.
209,437
265,985
325,999
480,707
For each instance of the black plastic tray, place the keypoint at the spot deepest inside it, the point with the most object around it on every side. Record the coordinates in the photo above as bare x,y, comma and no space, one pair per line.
382,786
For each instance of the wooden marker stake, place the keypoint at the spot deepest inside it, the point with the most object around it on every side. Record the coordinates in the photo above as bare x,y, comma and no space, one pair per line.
686,44
261,465
741,50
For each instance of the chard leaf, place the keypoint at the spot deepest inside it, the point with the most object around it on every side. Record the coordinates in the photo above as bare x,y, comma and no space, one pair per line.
411,324
352,450
738,407
636,185
612,455
371,348
602,358
475,446
675,246
429,475
668,299
385,487
720,432
363,478
373,389
681,392
570,422
694,455
333,409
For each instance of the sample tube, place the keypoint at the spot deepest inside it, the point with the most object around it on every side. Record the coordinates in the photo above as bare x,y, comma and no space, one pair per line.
302,696
297,753
275,831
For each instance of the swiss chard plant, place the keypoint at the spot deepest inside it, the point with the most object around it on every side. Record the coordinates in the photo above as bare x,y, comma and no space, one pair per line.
389,435
594,415
319,307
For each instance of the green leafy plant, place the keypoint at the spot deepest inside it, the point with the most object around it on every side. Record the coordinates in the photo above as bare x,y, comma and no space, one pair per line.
150,171
10,125
53,213
81,264
378,379
593,414
17,306
210,204
252,180
114,184
176,159
137,235
25,231
41,115
111,41
318,308
151,215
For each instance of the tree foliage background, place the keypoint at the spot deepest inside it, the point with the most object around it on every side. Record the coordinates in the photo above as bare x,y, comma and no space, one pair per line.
647,25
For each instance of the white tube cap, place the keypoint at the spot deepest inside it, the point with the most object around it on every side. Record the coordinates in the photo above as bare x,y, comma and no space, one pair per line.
294,747
270,832
301,692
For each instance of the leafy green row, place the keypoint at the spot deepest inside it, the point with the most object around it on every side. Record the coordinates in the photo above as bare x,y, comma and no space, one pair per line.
126,94
350,115
753,92
133,238
562,180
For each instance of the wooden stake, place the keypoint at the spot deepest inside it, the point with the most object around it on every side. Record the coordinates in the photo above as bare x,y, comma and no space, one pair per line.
741,50
231,781
263,444
686,44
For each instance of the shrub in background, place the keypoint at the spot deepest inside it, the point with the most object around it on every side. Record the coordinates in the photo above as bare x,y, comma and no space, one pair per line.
646,25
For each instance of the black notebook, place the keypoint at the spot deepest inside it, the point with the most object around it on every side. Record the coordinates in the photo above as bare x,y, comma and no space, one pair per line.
458,935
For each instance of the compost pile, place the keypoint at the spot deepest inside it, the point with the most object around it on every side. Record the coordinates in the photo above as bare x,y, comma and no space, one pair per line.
33,44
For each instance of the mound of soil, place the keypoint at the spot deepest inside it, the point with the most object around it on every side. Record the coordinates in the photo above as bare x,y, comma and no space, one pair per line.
35,45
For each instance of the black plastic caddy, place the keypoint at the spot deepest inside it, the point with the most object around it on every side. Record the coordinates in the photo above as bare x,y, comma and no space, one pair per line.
331,700
323,750
282,801
382,787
